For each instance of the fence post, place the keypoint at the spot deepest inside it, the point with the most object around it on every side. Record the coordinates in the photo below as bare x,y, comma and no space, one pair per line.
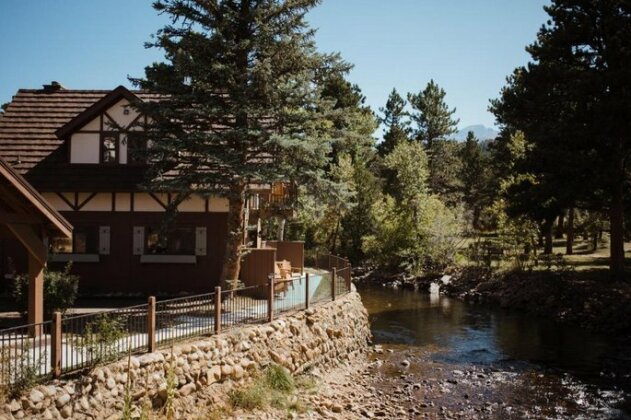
333,281
217,309
307,291
270,299
348,278
151,324
55,345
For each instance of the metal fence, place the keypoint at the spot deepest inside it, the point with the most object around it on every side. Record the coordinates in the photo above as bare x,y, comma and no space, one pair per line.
241,306
90,339
24,353
69,344
185,317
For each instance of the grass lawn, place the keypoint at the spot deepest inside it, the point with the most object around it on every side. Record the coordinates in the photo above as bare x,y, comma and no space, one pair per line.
584,259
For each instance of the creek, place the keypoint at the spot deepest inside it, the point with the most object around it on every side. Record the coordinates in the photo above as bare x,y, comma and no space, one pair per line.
490,360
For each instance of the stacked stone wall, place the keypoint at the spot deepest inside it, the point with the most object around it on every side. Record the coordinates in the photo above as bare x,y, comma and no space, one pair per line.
328,333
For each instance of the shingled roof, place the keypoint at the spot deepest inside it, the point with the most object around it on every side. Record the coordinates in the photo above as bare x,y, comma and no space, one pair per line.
28,126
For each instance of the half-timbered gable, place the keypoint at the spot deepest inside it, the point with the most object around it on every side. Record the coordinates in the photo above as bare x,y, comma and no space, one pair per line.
77,148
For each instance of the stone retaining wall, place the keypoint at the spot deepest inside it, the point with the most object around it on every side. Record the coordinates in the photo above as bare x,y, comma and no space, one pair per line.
327,333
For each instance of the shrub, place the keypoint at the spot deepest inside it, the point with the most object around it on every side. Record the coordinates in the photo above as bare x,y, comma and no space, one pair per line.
60,290
279,379
269,389
100,338
19,370
249,398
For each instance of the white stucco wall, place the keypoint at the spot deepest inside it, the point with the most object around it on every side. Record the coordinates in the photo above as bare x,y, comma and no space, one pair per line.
84,148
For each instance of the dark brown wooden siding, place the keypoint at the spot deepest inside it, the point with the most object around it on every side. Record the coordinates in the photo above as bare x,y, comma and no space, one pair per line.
121,272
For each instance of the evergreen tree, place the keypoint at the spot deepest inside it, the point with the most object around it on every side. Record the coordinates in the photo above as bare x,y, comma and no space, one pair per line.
445,169
432,116
395,119
434,124
334,218
475,178
239,103
573,102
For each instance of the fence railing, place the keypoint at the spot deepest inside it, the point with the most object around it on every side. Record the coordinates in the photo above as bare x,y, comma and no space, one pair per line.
69,344
25,353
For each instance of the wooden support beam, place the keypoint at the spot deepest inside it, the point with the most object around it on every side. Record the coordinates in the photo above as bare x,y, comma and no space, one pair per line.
55,345
151,324
7,218
217,310
270,299
333,283
35,293
31,241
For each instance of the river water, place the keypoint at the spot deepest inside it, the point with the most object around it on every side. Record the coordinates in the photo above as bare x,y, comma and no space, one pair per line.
509,363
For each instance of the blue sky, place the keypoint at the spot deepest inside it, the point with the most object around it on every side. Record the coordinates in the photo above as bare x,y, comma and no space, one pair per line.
468,47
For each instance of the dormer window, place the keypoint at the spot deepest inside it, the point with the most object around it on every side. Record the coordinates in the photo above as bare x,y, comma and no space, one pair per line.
109,147
136,147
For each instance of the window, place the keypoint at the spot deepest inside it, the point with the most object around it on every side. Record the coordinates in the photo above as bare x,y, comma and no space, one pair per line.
136,146
179,241
85,240
109,148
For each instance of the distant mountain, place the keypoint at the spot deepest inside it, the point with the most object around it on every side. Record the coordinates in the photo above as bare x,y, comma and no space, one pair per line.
481,132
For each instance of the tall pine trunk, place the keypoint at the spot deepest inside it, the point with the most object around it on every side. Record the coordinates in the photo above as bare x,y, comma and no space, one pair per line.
569,243
558,234
616,223
476,217
234,241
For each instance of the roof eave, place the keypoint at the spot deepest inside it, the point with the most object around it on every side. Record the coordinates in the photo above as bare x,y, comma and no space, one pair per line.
121,92
36,199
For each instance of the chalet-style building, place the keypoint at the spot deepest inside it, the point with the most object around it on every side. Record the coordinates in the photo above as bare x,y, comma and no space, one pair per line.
76,148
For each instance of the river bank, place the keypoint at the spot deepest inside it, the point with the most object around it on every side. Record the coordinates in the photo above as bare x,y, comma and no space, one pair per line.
584,298
440,358
397,382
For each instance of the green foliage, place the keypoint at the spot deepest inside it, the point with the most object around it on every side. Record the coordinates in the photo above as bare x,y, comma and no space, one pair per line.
359,221
171,388
397,125
19,370
433,118
271,388
242,103
477,180
60,290
572,102
100,338
409,161
331,214
279,379
515,239
434,123
445,169
414,231
249,398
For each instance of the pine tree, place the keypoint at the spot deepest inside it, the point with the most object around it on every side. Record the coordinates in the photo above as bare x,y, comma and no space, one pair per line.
432,116
434,124
475,178
573,102
395,120
240,103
